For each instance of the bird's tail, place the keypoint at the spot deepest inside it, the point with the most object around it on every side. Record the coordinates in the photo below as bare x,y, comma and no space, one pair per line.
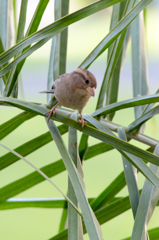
48,91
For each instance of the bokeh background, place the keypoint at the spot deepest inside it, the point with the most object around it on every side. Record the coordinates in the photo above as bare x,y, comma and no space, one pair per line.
83,36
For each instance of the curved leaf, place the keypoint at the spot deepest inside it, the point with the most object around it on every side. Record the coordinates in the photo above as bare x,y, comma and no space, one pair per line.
107,138
91,223
75,230
42,174
148,200
29,147
50,170
49,31
131,177
12,203
138,122
126,104
9,126
114,33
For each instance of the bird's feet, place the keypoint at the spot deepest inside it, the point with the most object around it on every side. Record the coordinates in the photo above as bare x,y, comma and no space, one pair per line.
52,111
82,120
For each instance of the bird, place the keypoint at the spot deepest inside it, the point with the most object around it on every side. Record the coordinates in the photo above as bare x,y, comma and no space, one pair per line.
73,90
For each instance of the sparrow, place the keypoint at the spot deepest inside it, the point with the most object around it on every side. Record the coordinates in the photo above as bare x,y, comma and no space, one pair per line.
73,90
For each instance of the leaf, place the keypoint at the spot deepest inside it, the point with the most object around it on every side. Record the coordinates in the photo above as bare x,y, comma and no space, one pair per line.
35,21
114,33
10,125
51,30
114,57
92,226
75,230
126,104
148,201
19,37
4,22
103,215
138,163
131,177
42,174
10,84
139,61
138,122
29,147
22,20
50,170
38,203
107,138
83,146
3,34
105,196
110,68
153,234
57,64
50,71
63,218
112,90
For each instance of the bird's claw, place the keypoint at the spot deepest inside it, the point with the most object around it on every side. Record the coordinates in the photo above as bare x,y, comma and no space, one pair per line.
51,112
83,122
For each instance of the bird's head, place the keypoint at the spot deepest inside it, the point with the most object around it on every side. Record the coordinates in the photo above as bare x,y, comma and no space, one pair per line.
84,80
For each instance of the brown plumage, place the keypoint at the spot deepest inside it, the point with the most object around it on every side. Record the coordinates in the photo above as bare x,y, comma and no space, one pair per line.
73,90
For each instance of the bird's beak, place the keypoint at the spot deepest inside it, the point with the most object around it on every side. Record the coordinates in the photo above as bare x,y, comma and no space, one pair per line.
91,91
48,91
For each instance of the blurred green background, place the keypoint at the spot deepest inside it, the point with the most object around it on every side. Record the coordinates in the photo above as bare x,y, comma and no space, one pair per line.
83,36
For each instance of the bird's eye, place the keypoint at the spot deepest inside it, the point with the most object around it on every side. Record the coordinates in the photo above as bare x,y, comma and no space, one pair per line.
87,81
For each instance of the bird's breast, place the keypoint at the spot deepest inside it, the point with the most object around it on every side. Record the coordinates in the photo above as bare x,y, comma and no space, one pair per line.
72,98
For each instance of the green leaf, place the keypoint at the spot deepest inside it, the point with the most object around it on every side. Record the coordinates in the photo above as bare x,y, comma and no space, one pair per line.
38,203
103,215
110,68
132,158
92,226
51,30
153,234
131,177
10,125
19,37
114,56
29,147
50,170
42,174
114,33
51,69
30,180
107,213
3,34
139,60
83,146
35,21
75,230
107,138
126,104
4,22
148,201
22,20
13,77
58,54
112,89
105,196
138,122
63,218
